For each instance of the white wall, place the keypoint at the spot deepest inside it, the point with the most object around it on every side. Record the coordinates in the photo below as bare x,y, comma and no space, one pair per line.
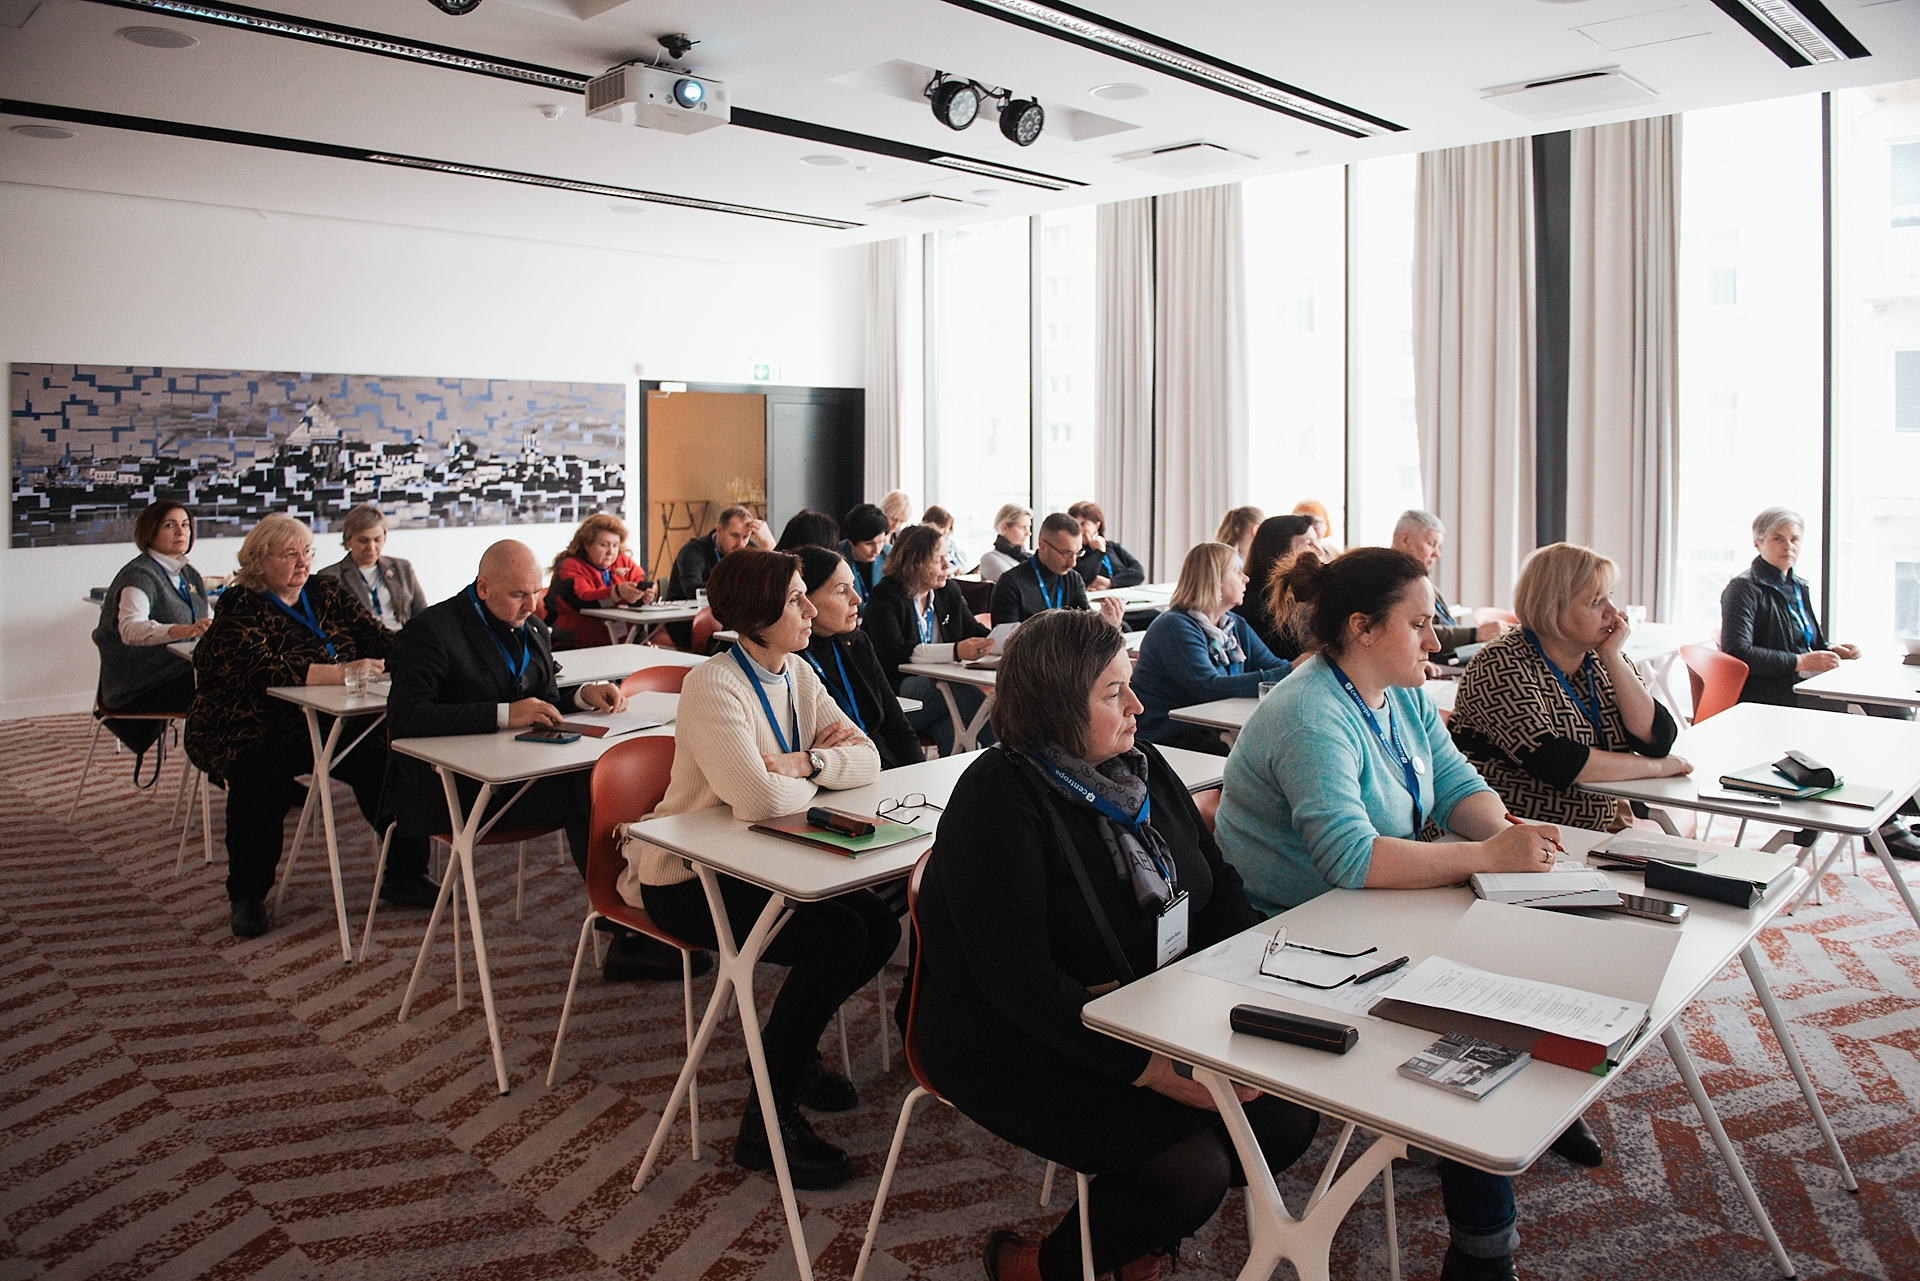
111,280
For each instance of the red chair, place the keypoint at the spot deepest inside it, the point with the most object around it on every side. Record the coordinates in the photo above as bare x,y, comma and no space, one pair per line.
628,783
663,679
1208,803
515,836
704,626
1716,679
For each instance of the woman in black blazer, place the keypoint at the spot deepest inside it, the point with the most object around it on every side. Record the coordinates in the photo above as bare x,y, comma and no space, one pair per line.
842,656
1011,949
1103,562
1767,619
916,615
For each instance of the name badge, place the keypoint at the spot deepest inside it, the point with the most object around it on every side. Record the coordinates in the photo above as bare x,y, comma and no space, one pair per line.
1170,932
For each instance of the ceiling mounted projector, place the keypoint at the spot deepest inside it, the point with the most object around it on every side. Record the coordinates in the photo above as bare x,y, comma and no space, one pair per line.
658,98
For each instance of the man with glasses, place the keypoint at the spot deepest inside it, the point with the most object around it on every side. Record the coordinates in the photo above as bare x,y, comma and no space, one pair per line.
1049,580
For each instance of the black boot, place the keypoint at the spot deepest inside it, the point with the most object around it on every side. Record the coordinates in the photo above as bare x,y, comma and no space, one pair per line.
824,1090
1578,1145
250,919
1461,1266
632,956
814,1163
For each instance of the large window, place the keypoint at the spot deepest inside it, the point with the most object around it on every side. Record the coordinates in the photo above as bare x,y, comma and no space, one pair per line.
978,377
1385,477
1750,370
1064,340
1295,254
1876,366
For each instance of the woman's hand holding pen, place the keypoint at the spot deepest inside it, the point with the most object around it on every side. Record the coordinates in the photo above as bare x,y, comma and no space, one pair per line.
1523,847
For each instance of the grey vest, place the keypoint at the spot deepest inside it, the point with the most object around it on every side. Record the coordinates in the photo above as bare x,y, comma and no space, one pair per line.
128,671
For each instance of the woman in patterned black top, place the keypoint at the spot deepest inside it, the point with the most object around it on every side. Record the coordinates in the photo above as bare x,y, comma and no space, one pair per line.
1555,703
278,624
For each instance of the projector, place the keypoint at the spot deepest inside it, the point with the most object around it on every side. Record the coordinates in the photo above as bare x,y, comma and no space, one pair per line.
657,98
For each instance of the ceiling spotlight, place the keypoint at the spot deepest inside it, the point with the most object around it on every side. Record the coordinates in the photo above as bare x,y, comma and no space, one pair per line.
956,103
823,162
157,37
1118,93
455,7
49,133
1021,121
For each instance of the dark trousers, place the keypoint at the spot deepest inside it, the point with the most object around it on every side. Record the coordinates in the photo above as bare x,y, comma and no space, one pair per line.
1480,1213
831,948
562,800
1173,1194
260,791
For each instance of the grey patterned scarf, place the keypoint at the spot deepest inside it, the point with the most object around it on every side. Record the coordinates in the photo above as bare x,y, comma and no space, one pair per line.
1223,647
1137,856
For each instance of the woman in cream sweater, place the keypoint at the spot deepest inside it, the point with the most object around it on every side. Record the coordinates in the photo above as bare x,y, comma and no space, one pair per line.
758,732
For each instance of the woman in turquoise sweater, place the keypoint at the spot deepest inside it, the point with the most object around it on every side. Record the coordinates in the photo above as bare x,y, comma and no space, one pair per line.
1343,777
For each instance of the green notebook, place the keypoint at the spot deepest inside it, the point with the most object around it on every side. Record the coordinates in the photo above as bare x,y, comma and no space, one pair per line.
1768,781
794,827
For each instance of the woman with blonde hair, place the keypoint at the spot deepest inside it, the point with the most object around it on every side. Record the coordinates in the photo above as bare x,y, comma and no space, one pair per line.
594,572
1237,528
1012,525
1200,650
1555,703
898,507
385,584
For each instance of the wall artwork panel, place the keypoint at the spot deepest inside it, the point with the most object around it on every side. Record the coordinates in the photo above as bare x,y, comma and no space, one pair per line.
93,444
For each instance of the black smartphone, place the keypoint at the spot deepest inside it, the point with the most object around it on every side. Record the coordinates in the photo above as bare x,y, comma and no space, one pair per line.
547,736
1653,909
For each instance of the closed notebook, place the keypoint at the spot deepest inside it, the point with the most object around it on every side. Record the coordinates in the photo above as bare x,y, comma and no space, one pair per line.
1768,781
1583,888
795,827
1465,1065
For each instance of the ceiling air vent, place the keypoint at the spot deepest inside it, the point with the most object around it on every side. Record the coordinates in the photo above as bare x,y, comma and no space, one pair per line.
1186,159
1578,94
925,204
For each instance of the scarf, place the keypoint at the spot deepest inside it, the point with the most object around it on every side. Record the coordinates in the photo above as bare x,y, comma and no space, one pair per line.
1223,647
1137,856
1015,550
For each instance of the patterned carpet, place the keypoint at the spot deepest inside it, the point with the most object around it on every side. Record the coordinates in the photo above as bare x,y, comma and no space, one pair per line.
175,1102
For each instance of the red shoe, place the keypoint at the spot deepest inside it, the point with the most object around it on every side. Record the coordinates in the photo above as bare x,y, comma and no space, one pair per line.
1008,1258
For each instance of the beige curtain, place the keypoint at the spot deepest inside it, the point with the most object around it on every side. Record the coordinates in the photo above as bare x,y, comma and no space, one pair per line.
1622,406
1473,361
1200,401
894,414
1123,378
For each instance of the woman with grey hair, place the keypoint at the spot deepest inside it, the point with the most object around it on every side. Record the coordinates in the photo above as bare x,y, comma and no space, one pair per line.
1063,857
1767,619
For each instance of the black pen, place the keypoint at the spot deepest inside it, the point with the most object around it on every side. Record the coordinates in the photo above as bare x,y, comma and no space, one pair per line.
1388,968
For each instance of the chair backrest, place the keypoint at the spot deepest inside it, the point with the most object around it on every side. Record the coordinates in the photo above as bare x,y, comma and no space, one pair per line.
627,783
1208,803
908,1041
1716,679
704,626
665,678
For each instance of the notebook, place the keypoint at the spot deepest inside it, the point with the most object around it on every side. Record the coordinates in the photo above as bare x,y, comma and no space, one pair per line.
794,827
1584,888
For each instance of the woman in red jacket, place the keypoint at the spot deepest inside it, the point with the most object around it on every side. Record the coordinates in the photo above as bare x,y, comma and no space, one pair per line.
595,572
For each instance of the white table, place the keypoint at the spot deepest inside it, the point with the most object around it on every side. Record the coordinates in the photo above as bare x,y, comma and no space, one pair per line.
1863,749
966,734
184,648
1230,715
495,761
624,622
616,662
1866,681
1155,596
334,701
718,844
1184,1015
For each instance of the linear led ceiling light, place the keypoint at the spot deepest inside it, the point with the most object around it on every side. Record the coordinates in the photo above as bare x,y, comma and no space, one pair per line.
1798,32
1065,22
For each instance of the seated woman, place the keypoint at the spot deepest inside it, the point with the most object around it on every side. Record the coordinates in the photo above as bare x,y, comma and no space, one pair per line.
863,545
594,572
942,519
1012,526
1341,779
155,599
1103,562
1237,528
842,656
386,585
1276,541
758,732
808,528
1767,619
1199,650
1555,703
1315,510
917,616
1011,949
898,505
280,625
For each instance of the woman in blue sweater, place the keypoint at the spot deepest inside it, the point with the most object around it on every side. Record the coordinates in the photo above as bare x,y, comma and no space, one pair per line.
1200,650
1341,780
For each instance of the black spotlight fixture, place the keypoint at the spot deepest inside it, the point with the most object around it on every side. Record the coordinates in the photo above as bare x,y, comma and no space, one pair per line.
455,7
956,103
1021,120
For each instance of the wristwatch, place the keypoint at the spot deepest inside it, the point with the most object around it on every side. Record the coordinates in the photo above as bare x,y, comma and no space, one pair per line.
819,763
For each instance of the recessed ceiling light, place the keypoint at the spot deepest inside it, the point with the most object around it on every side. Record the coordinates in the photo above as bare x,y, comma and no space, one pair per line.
627,209
157,37
824,162
988,193
1119,93
48,132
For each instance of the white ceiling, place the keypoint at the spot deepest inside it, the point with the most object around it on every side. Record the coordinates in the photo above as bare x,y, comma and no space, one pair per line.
1418,63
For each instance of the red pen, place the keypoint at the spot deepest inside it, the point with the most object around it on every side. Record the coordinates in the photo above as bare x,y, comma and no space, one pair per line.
1521,822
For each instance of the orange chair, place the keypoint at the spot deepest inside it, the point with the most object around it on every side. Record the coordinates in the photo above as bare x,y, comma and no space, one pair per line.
704,626
664,679
628,783
1716,679
1208,803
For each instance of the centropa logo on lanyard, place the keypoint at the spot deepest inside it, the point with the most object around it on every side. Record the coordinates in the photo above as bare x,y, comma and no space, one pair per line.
1411,767
306,618
1059,597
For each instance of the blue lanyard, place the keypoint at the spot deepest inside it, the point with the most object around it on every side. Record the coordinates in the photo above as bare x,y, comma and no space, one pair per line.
860,582
373,590
305,617
186,594
1106,566
926,622
850,705
1591,710
1059,599
766,704
526,650
1110,810
1802,616
1389,739
606,578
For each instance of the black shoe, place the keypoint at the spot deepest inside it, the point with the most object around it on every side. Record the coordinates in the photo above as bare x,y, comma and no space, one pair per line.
1577,1144
814,1163
409,891
1461,1266
1901,843
1008,1258
250,918
824,1090
631,957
